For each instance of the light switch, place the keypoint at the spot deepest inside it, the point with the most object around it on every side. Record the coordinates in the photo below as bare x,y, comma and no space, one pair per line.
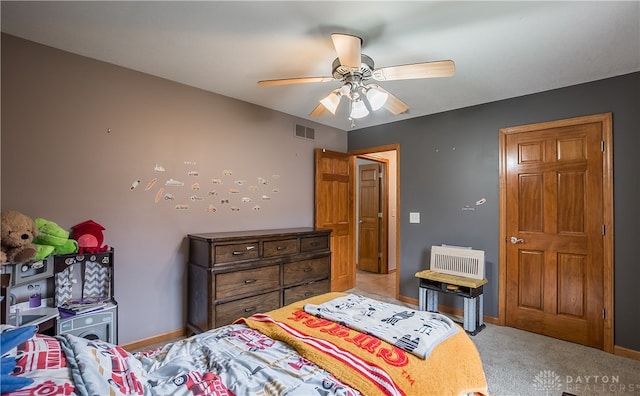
414,217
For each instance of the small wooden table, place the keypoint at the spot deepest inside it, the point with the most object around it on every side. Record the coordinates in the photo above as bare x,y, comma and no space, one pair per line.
432,282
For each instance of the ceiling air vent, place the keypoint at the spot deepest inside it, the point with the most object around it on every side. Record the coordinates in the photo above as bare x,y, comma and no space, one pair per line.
305,132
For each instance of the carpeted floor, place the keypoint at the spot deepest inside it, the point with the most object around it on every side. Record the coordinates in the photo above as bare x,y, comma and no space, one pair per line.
520,363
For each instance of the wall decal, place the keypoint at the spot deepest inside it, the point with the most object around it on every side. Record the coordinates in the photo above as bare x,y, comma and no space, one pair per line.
150,184
159,195
242,194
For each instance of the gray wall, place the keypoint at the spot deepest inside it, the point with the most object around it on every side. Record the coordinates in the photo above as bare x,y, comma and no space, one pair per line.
61,162
449,161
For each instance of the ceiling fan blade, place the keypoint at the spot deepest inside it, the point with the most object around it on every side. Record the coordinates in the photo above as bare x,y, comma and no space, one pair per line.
348,48
445,68
318,111
393,104
300,80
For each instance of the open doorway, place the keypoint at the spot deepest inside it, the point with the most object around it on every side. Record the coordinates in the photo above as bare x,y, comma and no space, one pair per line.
376,202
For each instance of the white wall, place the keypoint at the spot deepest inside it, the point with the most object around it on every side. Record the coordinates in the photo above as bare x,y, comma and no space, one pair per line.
77,133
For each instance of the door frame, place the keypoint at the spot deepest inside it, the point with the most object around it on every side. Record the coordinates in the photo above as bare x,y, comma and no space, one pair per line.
607,196
369,153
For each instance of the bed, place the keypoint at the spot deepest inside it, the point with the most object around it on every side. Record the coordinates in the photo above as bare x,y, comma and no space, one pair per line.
332,344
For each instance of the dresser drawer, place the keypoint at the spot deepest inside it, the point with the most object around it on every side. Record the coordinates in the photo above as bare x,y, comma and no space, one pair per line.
248,281
306,270
310,244
236,252
298,293
228,312
280,247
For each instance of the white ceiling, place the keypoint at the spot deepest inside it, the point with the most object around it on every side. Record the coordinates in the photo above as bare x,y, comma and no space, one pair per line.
501,49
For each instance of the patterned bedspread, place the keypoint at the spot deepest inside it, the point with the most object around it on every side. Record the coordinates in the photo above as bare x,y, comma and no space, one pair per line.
231,360
288,352
236,360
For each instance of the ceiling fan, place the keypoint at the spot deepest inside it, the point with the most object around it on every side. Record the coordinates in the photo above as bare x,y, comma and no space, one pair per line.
355,69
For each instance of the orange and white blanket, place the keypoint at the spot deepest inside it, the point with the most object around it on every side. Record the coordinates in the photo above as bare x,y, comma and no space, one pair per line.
367,363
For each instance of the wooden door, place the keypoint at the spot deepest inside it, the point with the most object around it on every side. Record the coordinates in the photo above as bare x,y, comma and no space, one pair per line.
334,181
555,230
369,216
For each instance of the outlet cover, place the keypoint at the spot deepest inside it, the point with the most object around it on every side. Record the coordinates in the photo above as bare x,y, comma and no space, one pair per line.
414,217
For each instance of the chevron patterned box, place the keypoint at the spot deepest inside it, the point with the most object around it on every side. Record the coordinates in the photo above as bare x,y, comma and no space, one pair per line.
87,277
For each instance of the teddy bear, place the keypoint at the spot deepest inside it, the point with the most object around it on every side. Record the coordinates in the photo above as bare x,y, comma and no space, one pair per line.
52,239
16,237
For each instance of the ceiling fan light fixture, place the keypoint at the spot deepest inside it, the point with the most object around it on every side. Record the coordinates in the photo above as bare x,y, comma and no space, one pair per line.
376,98
358,109
331,102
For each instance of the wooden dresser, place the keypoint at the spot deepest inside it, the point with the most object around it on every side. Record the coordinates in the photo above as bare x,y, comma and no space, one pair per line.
237,274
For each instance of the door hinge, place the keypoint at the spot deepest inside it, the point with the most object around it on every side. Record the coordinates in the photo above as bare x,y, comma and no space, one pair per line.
379,255
379,215
604,316
604,229
602,145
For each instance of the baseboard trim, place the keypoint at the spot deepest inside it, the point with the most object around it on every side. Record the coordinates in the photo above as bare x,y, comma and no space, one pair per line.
626,352
408,300
158,339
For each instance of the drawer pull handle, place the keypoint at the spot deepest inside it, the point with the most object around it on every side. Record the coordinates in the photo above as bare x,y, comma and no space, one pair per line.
308,294
248,281
237,253
280,247
315,243
251,309
307,269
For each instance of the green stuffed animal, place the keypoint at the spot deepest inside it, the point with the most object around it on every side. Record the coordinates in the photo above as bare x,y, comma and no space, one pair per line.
52,239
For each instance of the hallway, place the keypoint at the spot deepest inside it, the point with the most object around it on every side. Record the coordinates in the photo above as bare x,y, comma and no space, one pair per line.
382,284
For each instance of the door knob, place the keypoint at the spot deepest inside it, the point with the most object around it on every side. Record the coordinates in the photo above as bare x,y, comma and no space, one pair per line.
360,221
515,240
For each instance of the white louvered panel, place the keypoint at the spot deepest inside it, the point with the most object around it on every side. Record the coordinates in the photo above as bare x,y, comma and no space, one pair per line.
458,261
